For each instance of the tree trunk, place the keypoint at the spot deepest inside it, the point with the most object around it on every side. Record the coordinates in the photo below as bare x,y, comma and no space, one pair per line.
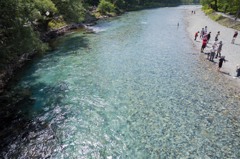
225,8
215,5
237,14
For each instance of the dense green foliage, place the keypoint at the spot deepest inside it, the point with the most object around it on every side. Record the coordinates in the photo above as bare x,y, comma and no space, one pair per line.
16,32
231,7
105,7
22,22
226,6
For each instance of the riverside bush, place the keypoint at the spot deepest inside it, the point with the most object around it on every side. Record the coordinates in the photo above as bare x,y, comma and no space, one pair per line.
215,17
105,7
56,23
208,11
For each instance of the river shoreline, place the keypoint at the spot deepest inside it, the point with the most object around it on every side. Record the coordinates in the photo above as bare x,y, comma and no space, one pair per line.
9,73
197,21
193,22
112,93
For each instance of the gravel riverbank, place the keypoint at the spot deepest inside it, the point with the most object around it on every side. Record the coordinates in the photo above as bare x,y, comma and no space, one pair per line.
195,22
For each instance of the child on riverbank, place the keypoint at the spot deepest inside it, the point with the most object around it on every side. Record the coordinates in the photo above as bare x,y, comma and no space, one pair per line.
196,35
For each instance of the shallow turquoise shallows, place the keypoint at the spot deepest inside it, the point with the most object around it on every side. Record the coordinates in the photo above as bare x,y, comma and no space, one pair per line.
134,90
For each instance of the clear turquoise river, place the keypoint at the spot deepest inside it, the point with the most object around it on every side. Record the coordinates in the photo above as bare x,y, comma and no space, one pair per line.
135,89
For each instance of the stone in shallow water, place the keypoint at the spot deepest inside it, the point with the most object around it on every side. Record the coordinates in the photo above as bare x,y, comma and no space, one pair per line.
210,119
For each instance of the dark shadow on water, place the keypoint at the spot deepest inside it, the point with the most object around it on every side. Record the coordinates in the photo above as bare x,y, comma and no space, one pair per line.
68,45
19,114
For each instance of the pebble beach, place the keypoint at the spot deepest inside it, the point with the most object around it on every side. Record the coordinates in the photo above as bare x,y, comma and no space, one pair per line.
195,22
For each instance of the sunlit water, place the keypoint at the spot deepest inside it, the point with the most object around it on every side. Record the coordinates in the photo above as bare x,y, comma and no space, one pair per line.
135,89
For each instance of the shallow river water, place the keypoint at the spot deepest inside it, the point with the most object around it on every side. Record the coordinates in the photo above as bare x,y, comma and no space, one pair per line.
135,89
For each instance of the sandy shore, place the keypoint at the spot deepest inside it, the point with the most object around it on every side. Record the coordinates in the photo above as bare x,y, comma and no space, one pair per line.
195,22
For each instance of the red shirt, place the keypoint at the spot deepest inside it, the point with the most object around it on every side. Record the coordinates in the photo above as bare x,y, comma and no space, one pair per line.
204,41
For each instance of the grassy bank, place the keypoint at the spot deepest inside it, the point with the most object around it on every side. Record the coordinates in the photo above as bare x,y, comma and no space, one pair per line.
225,21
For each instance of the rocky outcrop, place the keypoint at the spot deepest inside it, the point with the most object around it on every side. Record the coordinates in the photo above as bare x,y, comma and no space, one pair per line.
46,37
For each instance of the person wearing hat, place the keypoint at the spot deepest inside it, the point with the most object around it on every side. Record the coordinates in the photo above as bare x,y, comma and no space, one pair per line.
219,49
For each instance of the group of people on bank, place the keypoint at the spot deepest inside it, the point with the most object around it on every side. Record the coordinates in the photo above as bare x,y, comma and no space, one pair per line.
216,48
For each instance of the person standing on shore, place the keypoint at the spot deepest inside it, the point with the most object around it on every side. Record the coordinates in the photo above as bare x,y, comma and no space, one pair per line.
234,36
205,30
202,33
219,49
212,54
216,37
196,35
204,43
213,51
208,36
222,58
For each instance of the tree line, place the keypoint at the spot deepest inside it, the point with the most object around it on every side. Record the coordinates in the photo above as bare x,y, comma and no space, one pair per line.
23,21
226,6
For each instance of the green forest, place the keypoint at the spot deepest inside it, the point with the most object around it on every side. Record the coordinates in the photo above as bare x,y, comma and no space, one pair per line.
225,6
23,22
